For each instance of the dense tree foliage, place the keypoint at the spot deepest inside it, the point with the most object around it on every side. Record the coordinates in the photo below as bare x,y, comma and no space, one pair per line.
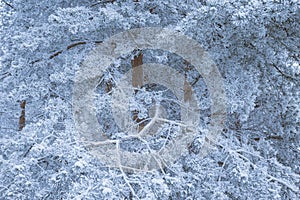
255,45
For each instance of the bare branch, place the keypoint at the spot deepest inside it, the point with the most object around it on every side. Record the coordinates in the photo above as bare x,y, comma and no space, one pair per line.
8,4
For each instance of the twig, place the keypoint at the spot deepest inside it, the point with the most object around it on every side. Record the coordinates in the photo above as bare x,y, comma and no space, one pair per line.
55,54
108,1
26,153
290,186
4,75
196,80
62,51
282,73
8,4
75,44
122,171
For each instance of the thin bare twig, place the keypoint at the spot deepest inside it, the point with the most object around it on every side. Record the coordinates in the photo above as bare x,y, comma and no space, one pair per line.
62,51
103,2
8,4
283,74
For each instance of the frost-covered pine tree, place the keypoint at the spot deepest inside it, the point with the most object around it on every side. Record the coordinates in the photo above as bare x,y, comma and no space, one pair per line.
255,46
